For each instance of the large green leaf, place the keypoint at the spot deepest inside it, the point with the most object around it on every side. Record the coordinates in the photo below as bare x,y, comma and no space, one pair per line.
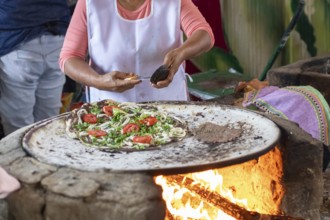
319,16
217,59
253,29
220,74
305,29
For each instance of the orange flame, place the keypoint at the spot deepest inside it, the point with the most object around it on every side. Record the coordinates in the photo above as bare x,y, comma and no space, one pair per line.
257,181
184,204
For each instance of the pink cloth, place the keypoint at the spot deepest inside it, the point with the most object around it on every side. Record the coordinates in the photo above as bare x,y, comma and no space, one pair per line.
303,105
8,184
76,40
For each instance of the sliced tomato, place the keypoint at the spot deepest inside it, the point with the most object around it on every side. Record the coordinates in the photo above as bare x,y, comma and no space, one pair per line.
142,139
107,109
76,105
90,118
97,133
130,128
149,121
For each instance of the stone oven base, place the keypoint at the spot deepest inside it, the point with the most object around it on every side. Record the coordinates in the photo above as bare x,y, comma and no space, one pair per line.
313,71
58,193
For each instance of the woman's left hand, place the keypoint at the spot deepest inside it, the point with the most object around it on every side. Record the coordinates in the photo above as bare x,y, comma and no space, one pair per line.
198,43
173,60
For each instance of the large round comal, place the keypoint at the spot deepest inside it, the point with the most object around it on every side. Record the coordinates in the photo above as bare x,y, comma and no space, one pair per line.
48,142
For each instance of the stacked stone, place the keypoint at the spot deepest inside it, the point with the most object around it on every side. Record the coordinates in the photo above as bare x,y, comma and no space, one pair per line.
59,193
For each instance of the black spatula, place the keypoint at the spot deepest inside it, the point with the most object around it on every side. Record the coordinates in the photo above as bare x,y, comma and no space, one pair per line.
160,74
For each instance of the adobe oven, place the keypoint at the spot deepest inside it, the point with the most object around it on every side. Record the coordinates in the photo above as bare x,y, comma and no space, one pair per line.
275,180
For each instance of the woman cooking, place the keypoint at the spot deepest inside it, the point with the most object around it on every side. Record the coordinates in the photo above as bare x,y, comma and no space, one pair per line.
126,38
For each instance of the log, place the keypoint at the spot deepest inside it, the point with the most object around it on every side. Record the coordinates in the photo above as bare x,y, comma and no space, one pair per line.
222,203
169,216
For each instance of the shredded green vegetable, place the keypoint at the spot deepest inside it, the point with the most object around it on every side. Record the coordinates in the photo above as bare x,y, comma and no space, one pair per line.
164,129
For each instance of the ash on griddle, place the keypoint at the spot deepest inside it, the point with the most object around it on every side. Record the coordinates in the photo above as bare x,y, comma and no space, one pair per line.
213,133
200,114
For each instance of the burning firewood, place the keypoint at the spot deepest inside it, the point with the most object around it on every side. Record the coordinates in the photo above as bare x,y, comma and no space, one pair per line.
220,202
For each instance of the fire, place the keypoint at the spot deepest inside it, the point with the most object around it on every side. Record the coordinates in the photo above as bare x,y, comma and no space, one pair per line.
249,187
184,204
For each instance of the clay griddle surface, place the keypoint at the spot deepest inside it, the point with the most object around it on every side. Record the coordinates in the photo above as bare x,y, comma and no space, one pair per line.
48,142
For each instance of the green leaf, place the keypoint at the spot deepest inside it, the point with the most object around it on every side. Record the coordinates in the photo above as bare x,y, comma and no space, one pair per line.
306,30
118,111
217,59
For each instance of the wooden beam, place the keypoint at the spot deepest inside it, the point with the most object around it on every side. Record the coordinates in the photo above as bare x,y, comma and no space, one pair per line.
220,202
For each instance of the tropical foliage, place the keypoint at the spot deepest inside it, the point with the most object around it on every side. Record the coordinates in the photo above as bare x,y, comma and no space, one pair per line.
254,28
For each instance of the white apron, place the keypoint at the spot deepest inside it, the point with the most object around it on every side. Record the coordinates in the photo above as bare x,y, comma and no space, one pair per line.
137,46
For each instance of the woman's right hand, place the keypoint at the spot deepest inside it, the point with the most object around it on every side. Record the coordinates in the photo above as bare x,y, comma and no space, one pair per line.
78,70
116,81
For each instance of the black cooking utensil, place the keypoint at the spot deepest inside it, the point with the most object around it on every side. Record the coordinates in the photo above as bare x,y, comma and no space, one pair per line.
160,74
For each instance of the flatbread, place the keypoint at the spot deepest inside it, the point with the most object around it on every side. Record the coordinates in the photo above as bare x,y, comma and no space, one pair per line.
109,125
212,133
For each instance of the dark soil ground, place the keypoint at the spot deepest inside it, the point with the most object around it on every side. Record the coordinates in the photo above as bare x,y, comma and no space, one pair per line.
325,209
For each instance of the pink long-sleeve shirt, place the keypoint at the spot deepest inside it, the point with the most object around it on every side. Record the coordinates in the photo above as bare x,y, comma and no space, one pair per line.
76,39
